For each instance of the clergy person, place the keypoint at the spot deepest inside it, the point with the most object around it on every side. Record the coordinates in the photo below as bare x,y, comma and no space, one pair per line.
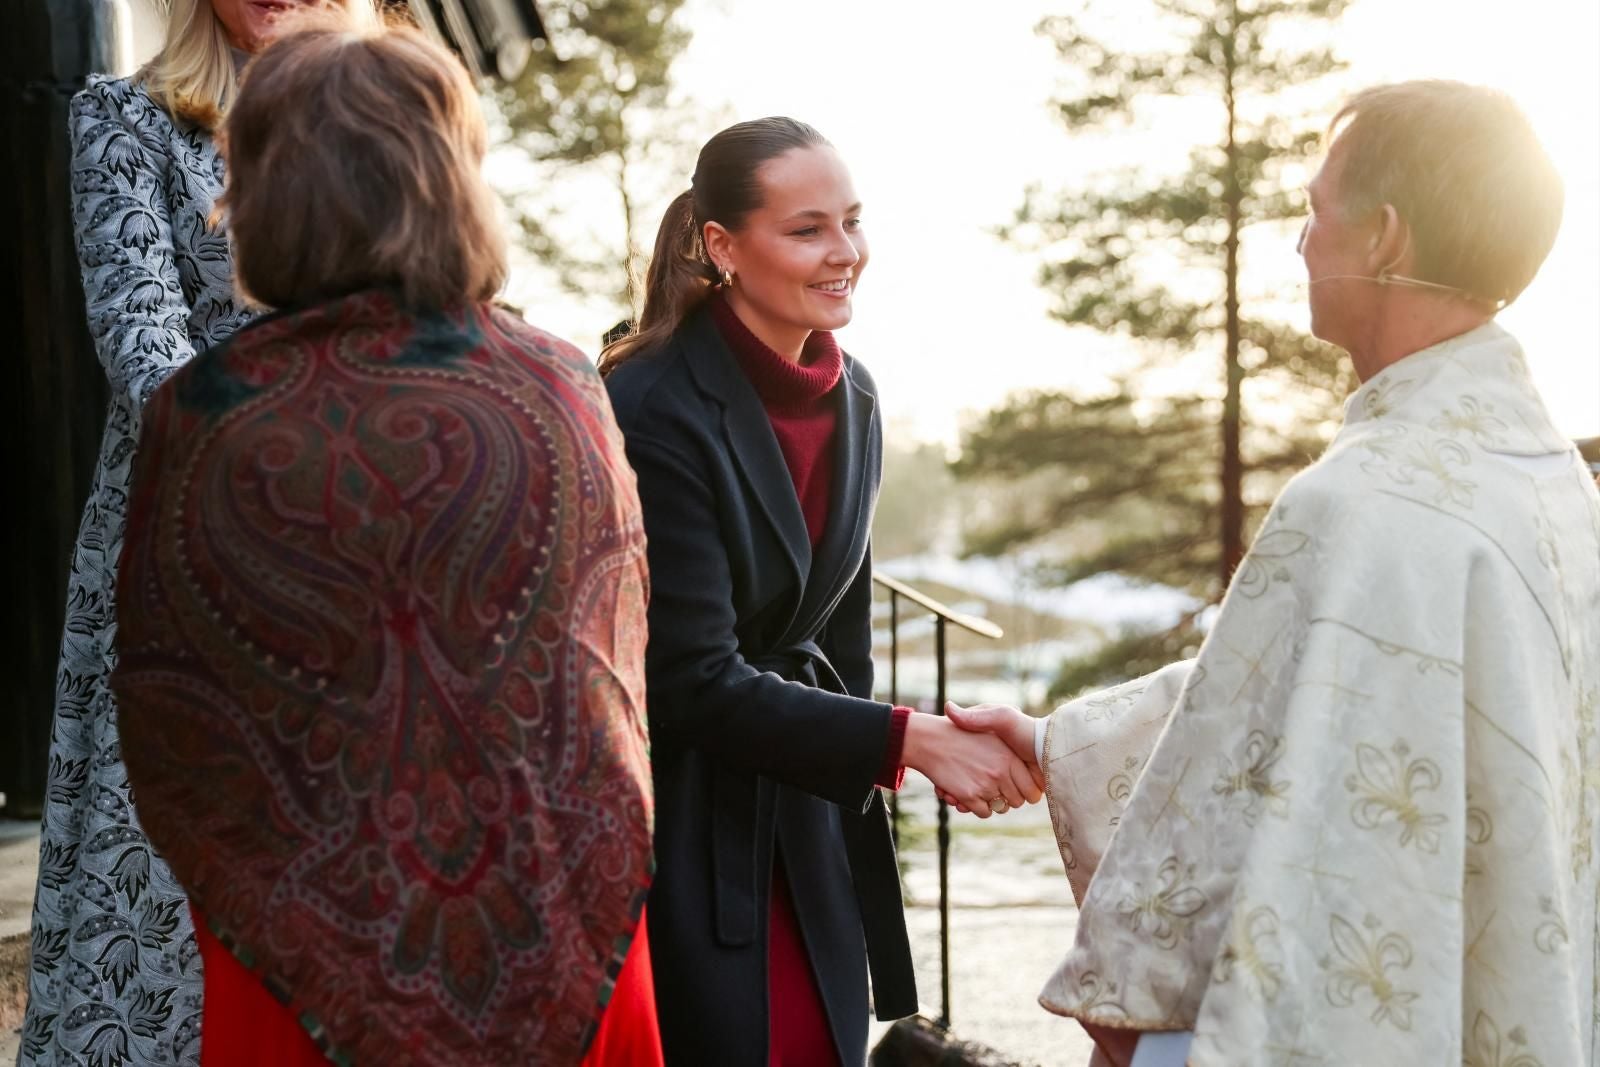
1362,826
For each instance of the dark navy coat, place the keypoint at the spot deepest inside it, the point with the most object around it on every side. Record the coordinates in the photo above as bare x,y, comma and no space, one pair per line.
763,732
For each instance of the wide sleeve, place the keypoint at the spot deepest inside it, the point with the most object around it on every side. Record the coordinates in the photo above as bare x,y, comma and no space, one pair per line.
702,691
1287,874
138,316
1094,749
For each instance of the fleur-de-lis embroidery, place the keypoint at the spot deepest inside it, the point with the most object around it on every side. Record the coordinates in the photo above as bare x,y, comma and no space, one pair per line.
1363,967
1475,418
1480,828
1387,791
1265,562
1487,1049
1253,949
1167,908
1382,446
1586,782
1436,460
1095,995
1120,786
1383,396
1551,935
1252,777
1111,703
1405,461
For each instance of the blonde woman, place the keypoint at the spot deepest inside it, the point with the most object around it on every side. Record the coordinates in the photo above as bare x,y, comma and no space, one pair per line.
115,976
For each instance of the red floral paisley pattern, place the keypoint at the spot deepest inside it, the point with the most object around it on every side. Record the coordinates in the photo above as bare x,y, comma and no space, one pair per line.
381,687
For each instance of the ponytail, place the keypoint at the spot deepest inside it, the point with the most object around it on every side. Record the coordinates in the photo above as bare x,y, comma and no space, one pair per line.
726,187
679,281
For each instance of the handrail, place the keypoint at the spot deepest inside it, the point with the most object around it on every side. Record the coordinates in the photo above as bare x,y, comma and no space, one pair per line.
1588,448
981,627
942,615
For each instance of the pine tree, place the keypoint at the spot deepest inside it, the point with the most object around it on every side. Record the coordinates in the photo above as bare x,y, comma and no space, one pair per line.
598,98
1165,489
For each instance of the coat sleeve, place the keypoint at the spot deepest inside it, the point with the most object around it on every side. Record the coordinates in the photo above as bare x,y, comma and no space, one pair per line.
702,692
138,316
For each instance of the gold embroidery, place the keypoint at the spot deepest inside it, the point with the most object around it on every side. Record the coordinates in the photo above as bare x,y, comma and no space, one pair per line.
1480,828
1253,949
1094,995
1265,562
1063,828
1384,396
1426,662
1365,969
1387,792
1168,908
1120,787
1475,418
1486,1048
1551,935
1254,777
1111,703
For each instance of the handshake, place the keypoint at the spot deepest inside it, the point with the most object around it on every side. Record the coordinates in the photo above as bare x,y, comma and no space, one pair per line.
980,759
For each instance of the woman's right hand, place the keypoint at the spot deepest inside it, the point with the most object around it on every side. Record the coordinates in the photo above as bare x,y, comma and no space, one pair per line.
972,769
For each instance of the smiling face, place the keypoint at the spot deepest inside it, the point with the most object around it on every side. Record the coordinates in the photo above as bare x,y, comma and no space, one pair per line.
798,257
248,23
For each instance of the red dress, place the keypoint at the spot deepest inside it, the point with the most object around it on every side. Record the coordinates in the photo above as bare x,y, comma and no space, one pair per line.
245,1026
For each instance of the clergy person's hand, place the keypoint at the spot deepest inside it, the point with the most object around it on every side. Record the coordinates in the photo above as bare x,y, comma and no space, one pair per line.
971,770
1009,725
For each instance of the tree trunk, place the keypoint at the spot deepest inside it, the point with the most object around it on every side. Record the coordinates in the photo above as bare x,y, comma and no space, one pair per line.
633,274
1232,509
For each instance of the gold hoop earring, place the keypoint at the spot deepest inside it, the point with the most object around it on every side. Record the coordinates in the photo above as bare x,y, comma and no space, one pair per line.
727,278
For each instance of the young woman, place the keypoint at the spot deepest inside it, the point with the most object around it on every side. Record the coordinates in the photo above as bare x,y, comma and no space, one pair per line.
756,442
381,624
112,941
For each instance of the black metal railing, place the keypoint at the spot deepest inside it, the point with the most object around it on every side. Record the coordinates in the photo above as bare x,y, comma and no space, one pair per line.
943,617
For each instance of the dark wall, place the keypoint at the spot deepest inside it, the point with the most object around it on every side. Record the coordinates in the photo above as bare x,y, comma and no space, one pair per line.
54,393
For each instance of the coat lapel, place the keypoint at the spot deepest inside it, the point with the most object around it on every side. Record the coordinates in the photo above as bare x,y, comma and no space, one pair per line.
751,442
857,457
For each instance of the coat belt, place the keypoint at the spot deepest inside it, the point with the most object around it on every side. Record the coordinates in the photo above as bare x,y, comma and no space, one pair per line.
869,847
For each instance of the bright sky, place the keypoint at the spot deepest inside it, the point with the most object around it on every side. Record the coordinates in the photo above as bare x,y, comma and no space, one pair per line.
942,120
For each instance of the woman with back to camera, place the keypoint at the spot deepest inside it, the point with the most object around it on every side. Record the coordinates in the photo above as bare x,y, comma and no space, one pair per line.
381,631
114,966
757,446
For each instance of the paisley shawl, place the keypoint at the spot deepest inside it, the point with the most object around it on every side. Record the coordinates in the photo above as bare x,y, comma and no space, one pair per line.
381,685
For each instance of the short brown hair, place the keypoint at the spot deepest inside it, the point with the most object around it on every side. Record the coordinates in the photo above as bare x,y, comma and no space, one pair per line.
1464,169
355,161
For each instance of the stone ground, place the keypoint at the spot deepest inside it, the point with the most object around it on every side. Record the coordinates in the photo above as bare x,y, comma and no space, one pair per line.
19,862
1011,920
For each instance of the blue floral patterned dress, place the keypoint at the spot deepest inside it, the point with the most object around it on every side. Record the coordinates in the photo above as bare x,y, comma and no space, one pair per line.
115,977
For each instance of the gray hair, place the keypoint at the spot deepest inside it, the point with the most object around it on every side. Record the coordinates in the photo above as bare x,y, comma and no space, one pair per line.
1463,168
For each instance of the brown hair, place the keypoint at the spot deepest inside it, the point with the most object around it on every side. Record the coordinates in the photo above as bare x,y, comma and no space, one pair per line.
725,188
1464,170
355,161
